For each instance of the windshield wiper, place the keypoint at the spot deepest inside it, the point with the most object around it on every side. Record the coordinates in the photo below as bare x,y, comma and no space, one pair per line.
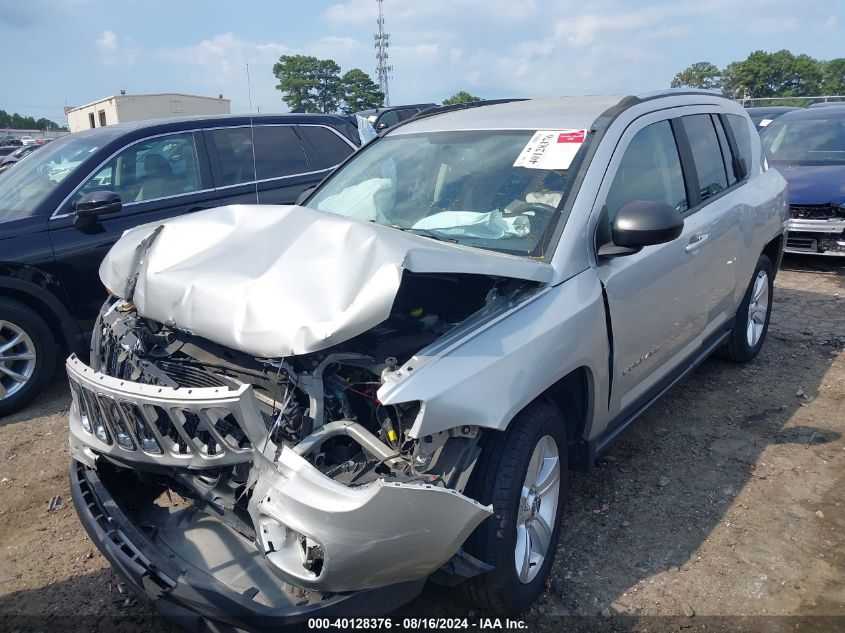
424,233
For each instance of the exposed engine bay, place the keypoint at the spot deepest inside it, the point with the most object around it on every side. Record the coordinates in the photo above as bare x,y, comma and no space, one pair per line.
298,395
271,447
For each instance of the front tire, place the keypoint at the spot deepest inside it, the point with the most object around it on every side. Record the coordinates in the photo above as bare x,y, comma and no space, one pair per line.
522,472
27,355
752,318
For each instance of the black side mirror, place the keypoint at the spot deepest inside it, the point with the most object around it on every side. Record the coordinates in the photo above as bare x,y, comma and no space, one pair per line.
95,204
639,224
98,203
304,195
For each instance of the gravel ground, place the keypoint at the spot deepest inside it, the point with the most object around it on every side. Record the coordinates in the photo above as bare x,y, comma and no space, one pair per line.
724,500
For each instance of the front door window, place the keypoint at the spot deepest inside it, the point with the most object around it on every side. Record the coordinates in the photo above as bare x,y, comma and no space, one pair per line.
160,167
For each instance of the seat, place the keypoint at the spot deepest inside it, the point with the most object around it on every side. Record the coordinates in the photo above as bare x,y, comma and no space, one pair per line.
158,180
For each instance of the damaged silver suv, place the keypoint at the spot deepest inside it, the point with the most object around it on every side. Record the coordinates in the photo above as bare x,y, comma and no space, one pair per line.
292,411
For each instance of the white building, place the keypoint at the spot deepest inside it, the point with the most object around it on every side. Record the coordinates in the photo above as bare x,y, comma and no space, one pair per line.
123,107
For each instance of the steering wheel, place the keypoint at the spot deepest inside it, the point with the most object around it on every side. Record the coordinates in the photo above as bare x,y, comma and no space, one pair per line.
541,211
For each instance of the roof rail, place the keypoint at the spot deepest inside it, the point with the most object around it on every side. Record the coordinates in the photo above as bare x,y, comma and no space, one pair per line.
669,92
434,111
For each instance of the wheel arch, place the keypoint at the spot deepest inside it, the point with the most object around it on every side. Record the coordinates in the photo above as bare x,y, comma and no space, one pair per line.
62,325
774,251
572,396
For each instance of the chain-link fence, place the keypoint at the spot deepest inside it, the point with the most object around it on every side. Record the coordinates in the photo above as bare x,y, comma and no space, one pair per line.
794,102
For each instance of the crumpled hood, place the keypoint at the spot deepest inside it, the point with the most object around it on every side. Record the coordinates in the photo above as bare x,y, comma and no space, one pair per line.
814,184
275,281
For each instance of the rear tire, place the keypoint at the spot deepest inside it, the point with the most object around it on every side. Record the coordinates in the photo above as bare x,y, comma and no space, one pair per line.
751,322
502,478
28,354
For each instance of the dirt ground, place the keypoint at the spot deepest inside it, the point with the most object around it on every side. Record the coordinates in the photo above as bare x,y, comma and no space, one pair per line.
725,499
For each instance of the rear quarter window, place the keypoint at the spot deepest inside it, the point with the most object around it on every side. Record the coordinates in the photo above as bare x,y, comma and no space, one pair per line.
742,136
329,148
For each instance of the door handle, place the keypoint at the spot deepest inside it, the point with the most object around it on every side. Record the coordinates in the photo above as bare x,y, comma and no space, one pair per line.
195,209
695,242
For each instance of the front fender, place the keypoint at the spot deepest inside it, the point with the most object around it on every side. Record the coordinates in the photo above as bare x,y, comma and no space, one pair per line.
485,376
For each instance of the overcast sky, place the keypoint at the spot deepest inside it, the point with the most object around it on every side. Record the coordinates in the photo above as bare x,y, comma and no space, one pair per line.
77,51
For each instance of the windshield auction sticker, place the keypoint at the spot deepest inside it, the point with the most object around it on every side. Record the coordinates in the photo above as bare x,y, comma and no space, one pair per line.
551,149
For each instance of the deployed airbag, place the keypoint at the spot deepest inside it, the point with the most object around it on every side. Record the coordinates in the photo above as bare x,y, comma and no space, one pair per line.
489,225
363,201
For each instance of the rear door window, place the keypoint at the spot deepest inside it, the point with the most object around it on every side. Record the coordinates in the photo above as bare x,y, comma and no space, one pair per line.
278,152
706,154
328,147
263,152
233,147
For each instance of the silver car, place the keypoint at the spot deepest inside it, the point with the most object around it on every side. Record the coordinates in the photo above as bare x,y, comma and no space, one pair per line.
306,411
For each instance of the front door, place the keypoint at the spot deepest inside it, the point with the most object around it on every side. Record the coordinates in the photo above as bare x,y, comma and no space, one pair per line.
156,178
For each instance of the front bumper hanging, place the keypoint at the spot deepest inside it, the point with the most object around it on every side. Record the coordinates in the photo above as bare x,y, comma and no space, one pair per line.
193,596
319,545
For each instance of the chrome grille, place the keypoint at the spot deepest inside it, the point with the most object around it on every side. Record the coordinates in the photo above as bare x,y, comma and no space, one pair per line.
816,211
196,428
801,244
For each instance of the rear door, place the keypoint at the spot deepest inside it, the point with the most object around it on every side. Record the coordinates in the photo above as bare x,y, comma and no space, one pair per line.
156,177
720,260
262,164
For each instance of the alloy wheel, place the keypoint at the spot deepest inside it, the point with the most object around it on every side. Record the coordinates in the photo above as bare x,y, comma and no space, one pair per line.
17,359
758,307
537,511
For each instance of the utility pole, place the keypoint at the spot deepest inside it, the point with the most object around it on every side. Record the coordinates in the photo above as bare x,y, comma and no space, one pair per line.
382,43
248,88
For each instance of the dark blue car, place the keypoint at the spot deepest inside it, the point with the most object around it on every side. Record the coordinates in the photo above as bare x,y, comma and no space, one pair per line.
62,208
808,148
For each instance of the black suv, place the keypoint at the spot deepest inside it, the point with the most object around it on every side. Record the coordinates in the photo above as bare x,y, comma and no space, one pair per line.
63,208
384,118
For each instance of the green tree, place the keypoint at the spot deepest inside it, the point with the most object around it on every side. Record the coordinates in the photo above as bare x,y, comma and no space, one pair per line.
46,124
297,76
730,82
328,87
308,83
16,121
778,74
700,75
833,77
360,92
461,97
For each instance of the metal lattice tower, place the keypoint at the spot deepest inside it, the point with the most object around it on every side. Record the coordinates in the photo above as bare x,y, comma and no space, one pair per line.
382,43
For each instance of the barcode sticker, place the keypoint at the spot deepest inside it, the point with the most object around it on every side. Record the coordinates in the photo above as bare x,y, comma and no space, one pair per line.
551,149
